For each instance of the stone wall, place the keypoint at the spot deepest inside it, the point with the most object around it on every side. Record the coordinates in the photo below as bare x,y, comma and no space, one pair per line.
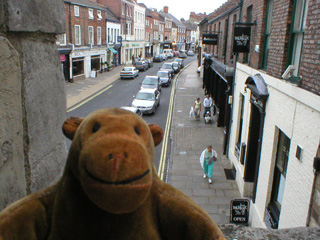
32,97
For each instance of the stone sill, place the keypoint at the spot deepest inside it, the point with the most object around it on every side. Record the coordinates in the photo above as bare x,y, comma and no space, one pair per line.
236,232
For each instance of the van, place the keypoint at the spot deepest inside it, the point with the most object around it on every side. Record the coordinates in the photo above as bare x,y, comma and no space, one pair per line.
182,54
168,53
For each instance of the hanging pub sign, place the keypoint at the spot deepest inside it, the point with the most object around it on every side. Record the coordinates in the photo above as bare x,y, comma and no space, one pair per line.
241,40
210,38
239,209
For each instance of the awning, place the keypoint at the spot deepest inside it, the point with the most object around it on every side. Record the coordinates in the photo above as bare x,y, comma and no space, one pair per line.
113,50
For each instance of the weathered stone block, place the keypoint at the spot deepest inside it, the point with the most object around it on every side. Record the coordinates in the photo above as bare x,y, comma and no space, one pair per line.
45,107
46,16
12,172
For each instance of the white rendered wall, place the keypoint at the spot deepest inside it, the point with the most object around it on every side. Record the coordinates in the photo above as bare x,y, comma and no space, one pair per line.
296,112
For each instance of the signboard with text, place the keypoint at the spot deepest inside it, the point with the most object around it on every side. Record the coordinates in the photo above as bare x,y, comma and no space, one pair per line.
210,39
239,211
241,39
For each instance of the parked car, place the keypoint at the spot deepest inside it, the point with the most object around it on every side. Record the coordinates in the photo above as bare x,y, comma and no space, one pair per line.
164,57
141,65
151,82
182,54
165,78
150,63
147,100
168,67
129,72
133,109
157,58
175,53
168,53
181,62
176,67
190,53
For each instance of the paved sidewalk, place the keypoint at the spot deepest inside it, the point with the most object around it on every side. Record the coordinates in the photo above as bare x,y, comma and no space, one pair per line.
82,89
189,138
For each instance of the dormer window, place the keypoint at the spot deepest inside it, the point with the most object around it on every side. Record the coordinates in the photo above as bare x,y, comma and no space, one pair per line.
99,16
91,13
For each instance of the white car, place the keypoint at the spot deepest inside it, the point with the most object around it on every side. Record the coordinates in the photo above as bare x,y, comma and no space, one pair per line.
147,100
129,72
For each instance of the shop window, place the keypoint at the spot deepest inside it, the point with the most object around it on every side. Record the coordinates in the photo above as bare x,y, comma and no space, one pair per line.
279,178
77,66
77,32
95,63
240,123
76,11
91,13
267,33
99,35
297,35
91,35
99,16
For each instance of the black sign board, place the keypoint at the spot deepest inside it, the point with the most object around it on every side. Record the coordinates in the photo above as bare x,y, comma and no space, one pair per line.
241,39
239,209
210,38
119,39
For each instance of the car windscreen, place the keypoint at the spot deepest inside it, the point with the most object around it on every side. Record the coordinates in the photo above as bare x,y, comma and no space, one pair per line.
145,96
127,69
162,74
166,66
175,64
138,63
179,60
150,81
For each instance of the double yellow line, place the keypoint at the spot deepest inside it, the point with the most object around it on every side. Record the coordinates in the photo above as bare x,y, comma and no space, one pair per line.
162,163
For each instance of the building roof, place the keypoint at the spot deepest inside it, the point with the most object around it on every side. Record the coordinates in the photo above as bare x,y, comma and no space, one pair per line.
148,11
111,17
86,3
170,16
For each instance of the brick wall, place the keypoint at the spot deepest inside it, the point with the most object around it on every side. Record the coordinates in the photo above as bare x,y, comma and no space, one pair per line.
310,61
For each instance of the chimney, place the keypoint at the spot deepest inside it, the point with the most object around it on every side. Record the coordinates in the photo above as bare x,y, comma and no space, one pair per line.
166,9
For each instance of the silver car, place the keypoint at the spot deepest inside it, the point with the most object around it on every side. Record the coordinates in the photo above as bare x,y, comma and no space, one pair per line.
147,100
129,72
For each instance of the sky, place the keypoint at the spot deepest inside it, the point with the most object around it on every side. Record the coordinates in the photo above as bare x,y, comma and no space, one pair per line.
182,8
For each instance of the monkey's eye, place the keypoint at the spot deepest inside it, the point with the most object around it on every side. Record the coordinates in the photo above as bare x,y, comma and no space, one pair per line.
136,129
96,127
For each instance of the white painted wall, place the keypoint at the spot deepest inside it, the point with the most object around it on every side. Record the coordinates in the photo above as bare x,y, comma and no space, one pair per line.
296,112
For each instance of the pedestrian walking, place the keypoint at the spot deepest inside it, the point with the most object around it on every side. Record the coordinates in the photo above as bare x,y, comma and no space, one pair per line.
197,108
207,104
133,62
207,159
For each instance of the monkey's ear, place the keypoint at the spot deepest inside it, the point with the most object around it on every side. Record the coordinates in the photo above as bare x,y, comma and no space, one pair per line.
157,133
70,126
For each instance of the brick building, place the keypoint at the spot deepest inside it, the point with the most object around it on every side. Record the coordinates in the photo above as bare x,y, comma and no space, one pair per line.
82,48
270,106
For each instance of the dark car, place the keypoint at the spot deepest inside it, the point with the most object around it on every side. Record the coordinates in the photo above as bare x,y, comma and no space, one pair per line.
151,82
181,62
157,58
150,63
165,78
141,65
176,67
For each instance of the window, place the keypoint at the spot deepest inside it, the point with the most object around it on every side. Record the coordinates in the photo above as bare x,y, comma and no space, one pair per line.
91,35
240,121
123,7
62,39
128,28
99,16
77,33
77,66
108,36
249,19
279,178
267,33
297,34
91,13
76,11
99,35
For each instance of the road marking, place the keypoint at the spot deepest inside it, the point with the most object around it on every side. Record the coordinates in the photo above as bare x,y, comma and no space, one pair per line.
162,162
89,98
